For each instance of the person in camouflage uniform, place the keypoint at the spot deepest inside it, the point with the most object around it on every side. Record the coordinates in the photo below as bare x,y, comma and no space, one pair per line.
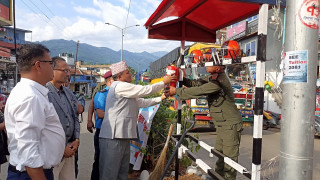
224,113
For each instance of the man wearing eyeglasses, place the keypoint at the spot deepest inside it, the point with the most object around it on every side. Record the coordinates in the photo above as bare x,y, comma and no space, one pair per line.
36,137
65,103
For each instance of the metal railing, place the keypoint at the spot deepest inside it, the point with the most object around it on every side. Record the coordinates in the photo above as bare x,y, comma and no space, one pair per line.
212,151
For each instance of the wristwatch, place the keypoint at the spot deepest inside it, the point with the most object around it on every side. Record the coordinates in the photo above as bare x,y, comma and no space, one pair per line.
77,139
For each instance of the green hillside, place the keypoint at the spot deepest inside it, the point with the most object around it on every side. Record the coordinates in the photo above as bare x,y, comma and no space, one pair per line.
101,55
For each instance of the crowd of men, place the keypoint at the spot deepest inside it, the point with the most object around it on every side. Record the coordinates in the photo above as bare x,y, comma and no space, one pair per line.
42,124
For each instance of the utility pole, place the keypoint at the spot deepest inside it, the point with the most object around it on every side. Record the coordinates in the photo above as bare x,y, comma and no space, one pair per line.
122,35
77,51
75,66
259,91
15,39
299,90
179,113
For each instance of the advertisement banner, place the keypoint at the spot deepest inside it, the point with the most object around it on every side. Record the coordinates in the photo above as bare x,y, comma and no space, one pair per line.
295,66
238,30
5,9
144,124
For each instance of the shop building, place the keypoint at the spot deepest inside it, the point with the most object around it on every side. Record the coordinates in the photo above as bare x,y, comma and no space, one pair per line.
246,34
8,73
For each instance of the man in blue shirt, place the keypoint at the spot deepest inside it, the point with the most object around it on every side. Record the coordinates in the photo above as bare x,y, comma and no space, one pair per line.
99,107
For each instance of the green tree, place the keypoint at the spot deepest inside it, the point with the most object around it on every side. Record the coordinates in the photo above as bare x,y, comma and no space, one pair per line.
133,72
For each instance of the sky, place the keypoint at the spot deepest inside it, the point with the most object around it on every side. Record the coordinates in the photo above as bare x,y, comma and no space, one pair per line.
84,20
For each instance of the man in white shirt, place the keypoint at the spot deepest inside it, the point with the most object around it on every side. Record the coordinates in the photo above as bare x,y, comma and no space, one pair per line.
36,137
119,125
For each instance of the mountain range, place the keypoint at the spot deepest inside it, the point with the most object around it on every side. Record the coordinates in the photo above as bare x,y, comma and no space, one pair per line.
101,55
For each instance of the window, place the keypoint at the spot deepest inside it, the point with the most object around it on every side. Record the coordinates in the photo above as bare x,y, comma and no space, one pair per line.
251,48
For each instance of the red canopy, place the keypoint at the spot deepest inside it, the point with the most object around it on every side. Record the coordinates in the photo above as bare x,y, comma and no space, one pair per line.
197,20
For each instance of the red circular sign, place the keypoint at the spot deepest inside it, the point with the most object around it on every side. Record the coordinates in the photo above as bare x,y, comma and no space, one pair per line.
309,13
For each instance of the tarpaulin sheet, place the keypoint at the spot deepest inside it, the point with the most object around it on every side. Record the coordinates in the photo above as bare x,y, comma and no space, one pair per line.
198,20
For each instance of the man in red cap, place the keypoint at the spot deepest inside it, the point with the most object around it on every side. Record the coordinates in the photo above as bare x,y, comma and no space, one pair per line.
99,102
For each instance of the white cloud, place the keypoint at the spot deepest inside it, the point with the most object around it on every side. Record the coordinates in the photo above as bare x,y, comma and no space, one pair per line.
87,11
88,25
125,3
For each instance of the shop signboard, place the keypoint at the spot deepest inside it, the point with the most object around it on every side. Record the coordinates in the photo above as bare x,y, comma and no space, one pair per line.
237,31
319,27
6,13
317,113
247,113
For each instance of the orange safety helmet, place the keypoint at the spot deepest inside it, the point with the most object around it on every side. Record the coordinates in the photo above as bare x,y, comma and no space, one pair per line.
207,56
233,49
197,56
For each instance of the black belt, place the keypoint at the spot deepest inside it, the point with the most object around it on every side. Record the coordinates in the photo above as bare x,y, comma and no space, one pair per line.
14,169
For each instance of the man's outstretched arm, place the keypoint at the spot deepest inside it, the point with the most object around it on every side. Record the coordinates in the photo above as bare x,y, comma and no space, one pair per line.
90,123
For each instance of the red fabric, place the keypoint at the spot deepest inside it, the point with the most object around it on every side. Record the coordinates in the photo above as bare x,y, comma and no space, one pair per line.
197,19
5,12
107,74
205,118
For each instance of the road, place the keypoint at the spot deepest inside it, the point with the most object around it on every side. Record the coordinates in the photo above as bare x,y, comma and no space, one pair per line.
270,149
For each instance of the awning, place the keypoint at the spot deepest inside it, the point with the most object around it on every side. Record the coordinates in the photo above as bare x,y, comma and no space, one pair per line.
198,20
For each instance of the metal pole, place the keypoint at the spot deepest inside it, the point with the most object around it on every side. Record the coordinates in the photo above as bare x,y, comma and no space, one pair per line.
122,44
299,90
179,112
122,35
259,91
15,39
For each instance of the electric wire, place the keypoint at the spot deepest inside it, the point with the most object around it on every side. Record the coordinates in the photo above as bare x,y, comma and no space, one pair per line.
56,16
47,17
68,34
34,11
127,17
59,28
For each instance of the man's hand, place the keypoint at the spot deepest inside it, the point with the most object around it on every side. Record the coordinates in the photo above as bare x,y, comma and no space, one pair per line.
75,145
163,96
2,105
36,173
68,152
80,108
169,79
172,91
90,126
